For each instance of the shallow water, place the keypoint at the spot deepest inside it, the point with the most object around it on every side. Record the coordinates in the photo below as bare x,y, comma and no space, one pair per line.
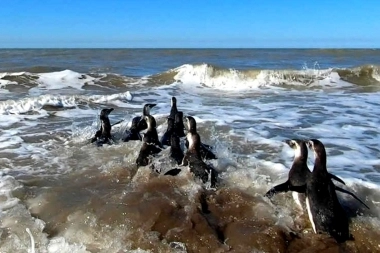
77,197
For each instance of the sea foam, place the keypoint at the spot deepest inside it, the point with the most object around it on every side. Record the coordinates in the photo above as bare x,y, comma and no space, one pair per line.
232,79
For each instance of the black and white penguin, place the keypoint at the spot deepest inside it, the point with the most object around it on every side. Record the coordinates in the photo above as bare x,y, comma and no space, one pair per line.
299,173
325,212
151,145
178,125
204,149
166,137
138,125
193,157
103,135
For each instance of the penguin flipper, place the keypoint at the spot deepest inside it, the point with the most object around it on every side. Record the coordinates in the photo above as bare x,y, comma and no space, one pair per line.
98,134
350,193
132,136
284,187
206,152
332,176
173,172
299,189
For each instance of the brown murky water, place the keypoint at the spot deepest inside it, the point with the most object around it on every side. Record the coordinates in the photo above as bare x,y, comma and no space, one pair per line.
143,210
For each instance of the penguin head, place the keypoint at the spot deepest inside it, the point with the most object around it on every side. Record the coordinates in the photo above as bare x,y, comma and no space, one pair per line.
318,148
299,146
147,107
191,124
105,112
173,101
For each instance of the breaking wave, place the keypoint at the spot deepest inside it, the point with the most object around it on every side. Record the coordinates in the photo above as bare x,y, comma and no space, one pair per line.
220,78
35,104
200,74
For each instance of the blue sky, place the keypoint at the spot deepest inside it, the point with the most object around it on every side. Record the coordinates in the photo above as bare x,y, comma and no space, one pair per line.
195,23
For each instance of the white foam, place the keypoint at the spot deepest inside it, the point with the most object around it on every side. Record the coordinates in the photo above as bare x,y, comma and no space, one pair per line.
63,79
4,83
233,80
35,104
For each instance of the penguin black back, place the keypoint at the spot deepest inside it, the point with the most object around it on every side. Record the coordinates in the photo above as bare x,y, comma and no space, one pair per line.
325,212
178,125
176,152
166,137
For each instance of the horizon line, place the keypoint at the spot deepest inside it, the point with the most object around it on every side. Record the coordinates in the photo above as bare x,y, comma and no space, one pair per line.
190,48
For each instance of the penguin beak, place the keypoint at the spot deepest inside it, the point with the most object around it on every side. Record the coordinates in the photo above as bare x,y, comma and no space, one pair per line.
152,105
287,142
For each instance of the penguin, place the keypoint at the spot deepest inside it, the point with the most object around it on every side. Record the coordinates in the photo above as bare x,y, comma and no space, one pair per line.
138,125
325,212
151,145
166,138
173,109
178,125
299,172
193,157
204,149
103,135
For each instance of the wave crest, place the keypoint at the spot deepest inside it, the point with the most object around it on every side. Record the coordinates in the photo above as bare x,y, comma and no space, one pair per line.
35,104
199,75
231,79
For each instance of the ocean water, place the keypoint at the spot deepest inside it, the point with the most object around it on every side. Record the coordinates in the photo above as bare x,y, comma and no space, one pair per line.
60,193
